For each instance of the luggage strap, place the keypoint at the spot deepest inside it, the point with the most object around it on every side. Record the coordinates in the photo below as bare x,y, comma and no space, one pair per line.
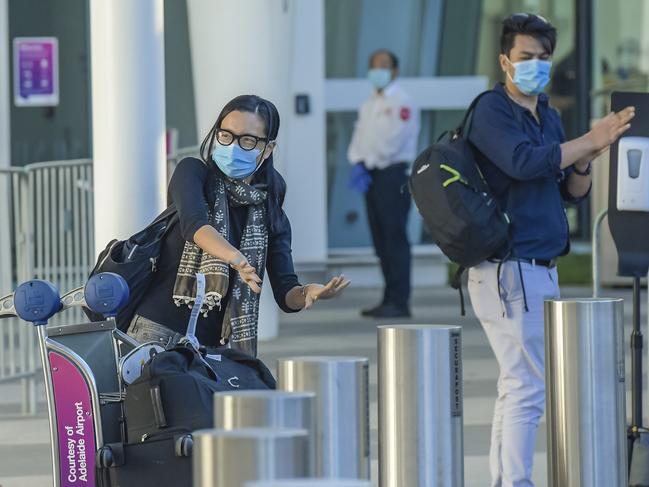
456,283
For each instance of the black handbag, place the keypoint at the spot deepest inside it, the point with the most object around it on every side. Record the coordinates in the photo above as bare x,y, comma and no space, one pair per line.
135,259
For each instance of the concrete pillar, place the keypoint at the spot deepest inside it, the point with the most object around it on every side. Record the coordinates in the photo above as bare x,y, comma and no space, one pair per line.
304,139
268,313
239,48
128,115
5,151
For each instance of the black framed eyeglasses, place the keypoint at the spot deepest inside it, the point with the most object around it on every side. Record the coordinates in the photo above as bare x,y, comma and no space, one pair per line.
246,141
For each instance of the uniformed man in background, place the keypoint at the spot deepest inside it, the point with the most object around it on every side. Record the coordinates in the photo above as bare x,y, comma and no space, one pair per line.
383,146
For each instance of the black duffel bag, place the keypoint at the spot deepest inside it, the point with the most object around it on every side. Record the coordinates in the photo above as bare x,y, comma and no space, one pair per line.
174,393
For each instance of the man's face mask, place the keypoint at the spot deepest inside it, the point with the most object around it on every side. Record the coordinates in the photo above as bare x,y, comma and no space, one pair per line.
235,162
531,76
379,77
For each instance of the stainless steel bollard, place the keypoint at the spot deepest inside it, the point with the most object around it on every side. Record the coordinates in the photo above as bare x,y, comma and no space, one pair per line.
585,392
420,406
268,409
310,483
224,458
341,385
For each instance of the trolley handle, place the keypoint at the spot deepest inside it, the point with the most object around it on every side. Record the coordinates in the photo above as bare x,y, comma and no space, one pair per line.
74,299
7,307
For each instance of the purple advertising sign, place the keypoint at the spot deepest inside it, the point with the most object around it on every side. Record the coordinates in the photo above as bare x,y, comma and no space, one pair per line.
74,423
36,71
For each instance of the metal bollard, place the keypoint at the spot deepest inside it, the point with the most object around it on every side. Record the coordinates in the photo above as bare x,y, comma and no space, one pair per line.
231,458
310,483
341,385
585,392
420,406
267,409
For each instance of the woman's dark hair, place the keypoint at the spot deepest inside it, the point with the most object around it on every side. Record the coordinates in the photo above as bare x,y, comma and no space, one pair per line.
529,25
267,174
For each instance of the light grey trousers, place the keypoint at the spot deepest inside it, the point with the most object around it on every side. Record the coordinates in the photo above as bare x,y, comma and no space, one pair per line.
517,339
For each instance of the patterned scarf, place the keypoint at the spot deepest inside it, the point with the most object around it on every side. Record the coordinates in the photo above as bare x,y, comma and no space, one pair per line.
242,313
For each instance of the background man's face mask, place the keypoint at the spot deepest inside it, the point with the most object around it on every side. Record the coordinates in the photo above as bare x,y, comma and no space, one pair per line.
531,76
235,162
379,77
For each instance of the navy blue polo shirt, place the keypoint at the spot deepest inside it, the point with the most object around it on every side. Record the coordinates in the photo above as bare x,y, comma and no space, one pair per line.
520,159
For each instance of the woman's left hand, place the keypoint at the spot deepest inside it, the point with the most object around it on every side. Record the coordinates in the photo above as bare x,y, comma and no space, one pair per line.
315,292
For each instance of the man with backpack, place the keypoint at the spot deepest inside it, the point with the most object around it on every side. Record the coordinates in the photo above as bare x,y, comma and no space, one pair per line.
531,170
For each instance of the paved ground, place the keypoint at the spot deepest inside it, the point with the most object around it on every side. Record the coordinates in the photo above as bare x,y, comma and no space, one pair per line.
332,328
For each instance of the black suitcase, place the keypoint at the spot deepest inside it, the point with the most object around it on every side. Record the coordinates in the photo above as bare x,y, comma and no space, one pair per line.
155,462
171,399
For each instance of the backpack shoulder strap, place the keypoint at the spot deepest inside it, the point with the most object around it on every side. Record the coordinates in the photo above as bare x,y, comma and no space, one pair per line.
465,125
460,129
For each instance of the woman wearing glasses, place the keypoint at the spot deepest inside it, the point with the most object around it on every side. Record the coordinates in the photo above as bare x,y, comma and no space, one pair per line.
230,228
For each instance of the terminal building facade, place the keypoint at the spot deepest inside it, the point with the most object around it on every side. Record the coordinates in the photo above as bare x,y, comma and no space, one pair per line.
312,61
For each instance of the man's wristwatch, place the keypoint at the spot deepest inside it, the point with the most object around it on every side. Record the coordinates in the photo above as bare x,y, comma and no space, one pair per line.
587,172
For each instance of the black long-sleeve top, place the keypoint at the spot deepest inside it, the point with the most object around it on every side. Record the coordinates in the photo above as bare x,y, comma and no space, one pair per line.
186,191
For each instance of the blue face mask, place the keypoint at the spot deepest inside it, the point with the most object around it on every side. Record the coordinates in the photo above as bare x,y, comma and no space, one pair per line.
235,162
531,76
379,77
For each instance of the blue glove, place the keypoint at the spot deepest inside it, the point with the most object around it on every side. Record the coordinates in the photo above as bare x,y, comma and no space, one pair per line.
359,178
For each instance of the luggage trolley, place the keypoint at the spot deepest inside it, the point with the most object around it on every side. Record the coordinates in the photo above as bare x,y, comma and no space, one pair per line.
82,371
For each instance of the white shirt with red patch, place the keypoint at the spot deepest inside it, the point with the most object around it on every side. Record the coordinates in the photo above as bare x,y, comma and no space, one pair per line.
386,131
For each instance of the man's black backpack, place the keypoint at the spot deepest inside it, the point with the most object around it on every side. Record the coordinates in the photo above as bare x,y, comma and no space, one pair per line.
453,198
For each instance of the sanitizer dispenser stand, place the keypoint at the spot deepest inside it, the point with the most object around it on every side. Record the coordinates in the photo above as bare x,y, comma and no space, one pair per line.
628,218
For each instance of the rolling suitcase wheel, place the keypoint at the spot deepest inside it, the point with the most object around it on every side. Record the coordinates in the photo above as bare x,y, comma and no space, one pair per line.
184,446
105,458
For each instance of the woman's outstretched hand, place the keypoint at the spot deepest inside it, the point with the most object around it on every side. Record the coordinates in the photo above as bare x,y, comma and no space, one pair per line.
247,272
212,242
315,292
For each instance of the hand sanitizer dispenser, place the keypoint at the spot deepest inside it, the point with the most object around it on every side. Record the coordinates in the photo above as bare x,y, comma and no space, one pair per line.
633,174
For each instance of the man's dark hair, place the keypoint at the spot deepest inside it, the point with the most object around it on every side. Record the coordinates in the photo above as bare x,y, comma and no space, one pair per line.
530,25
393,57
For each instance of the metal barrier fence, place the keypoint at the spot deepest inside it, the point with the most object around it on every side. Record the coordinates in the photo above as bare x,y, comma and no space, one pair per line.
50,237
47,221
